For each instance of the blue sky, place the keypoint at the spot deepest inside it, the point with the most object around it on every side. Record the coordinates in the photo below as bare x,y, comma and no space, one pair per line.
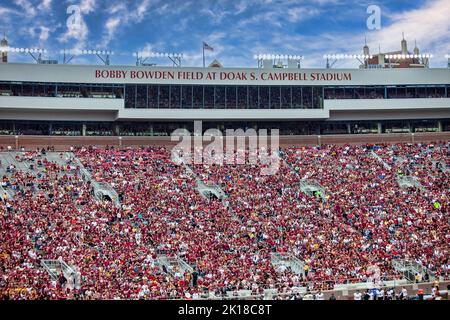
237,29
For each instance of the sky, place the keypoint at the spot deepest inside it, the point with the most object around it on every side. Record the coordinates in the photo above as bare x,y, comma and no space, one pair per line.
236,29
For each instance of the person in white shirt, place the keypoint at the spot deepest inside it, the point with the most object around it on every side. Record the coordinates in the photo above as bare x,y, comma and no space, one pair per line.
308,296
320,296
357,295
404,294
391,294
381,296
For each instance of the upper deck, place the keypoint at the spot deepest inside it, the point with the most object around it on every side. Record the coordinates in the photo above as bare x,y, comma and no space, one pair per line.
94,74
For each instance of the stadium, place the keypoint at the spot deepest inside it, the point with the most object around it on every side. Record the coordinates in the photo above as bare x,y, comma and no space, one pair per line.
97,206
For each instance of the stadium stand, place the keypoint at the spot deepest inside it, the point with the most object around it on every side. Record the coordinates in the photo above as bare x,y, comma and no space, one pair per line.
265,237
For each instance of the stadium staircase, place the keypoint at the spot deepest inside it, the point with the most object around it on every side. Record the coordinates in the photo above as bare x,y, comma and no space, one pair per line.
8,193
205,190
102,190
173,265
208,191
403,181
289,261
9,158
309,187
55,267
442,165
312,188
385,165
409,269
406,182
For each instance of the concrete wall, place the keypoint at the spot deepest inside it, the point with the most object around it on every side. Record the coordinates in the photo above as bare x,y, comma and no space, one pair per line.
86,109
64,143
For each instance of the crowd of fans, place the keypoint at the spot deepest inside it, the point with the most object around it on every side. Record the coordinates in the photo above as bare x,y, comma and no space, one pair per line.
361,220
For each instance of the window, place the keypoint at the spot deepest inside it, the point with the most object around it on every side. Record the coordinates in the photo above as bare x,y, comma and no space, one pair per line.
175,97
209,97
164,97
152,92
253,97
219,97
297,97
275,100
198,97
286,97
307,97
231,97
330,93
130,96
27,90
317,98
242,97
186,97
5,89
264,97
141,97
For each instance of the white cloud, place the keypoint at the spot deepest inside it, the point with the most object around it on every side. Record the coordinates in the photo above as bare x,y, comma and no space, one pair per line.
4,12
122,16
302,13
45,5
27,7
429,25
79,34
87,6
44,34
142,9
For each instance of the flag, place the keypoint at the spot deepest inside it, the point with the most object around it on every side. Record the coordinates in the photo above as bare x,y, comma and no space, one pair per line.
207,47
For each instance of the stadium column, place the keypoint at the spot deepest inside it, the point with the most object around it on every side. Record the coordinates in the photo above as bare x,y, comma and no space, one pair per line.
83,130
349,128
439,126
117,129
380,128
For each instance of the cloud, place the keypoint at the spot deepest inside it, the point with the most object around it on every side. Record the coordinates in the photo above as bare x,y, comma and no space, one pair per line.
142,10
88,6
302,13
237,29
123,17
430,25
79,33
27,7
5,12
44,34
45,5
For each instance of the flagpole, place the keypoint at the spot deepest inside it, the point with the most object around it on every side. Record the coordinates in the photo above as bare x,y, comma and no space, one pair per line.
203,55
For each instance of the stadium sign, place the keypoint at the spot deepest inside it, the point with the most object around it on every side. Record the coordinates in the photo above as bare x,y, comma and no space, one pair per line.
220,75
